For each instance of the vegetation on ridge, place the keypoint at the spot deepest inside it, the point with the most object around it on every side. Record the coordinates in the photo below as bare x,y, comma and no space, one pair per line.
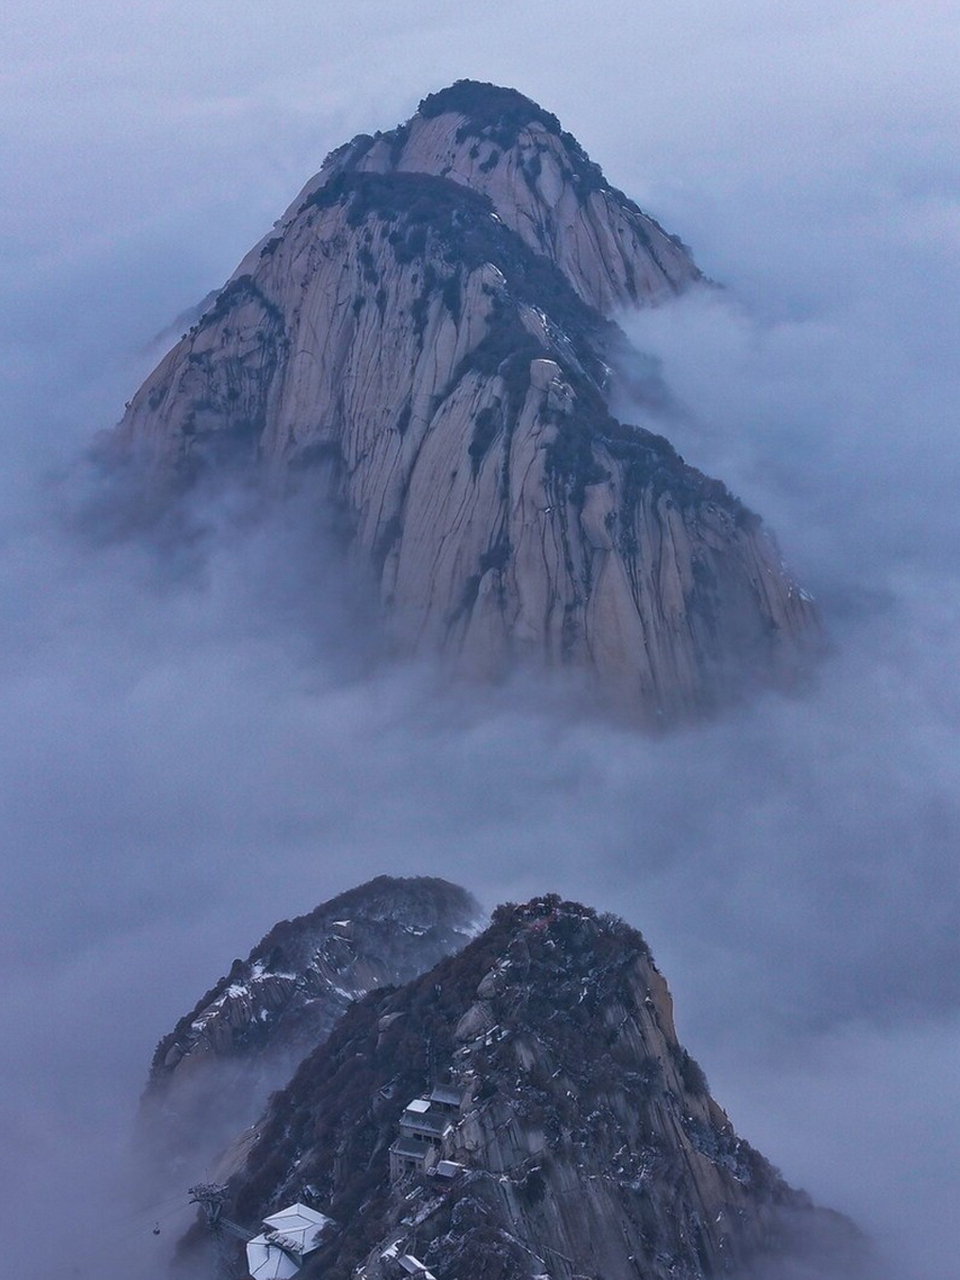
489,106
566,978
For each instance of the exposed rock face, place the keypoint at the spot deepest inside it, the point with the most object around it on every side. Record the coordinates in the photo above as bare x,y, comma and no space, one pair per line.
586,1139
213,1072
540,183
428,328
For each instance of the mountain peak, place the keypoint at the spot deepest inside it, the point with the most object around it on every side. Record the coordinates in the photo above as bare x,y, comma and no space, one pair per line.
523,1109
488,106
429,332
499,115
211,1074
497,142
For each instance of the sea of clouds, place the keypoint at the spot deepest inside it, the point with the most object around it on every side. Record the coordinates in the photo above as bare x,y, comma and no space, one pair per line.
195,747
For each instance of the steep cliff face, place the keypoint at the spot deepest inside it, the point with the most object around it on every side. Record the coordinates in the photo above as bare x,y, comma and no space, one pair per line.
579,1138
426,330
541,184
212,1073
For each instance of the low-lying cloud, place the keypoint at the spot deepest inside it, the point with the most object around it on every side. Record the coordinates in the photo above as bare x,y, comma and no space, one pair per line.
194,750
194,758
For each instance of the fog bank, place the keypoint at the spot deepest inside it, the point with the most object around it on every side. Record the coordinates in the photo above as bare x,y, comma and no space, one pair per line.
194,750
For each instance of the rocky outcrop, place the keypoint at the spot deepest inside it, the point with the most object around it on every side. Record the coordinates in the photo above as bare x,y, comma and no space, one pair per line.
585,1143
540,183
213,1072
428,331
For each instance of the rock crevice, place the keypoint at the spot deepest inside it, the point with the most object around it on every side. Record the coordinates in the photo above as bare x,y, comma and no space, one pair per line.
430,323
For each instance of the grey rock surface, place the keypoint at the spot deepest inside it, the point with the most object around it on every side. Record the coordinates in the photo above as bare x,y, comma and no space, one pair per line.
212,1073
427,335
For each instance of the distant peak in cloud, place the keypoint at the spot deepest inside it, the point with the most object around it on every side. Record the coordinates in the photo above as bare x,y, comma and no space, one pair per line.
427,338
486,104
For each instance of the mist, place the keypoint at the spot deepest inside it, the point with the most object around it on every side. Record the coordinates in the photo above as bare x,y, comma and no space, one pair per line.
194,748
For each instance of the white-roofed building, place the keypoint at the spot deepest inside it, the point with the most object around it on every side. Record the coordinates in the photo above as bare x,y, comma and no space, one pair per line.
266,1261
424,1122
300,1224
423,1128
414,1267
288,1236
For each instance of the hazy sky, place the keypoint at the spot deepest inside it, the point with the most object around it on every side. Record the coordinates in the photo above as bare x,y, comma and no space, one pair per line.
186,759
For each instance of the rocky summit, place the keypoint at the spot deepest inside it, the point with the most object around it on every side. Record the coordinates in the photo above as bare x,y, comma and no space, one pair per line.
212,1074
522,1111
427,337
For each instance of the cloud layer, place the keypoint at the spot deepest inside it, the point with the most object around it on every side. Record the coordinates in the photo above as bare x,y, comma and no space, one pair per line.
188,754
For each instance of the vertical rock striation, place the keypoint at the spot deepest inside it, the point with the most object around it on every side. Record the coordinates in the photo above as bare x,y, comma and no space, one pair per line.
428,330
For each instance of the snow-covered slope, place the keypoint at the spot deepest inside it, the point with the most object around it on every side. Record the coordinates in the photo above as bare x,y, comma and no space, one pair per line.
212,1073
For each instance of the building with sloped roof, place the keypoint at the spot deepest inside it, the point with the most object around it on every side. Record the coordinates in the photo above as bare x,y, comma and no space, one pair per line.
447,1097
423,1127
288,1236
